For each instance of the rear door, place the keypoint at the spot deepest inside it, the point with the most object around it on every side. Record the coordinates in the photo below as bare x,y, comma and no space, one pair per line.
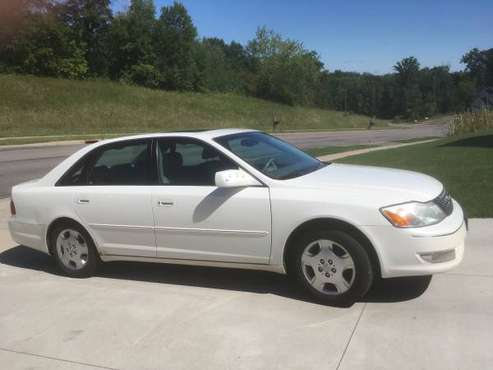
197,220
115,199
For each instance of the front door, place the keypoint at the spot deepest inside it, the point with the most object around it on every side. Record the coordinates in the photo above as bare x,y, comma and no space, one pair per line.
196,220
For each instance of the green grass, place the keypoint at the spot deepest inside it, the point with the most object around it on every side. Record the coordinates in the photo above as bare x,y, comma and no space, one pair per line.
34,106
463,164
317,152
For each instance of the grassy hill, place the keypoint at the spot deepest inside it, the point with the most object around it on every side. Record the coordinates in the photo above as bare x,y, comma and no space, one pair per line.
34,106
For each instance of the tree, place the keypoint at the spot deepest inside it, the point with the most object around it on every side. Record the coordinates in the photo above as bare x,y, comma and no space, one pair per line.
174,42
464,89
40,44
224,67
479,65
15,19
407,70
89,22
286,71
409,97
216,72
46,50
131,38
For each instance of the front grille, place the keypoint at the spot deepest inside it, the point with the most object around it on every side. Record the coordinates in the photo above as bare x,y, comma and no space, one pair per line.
444,201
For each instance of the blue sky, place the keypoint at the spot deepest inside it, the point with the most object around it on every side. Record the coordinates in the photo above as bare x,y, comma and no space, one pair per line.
363,35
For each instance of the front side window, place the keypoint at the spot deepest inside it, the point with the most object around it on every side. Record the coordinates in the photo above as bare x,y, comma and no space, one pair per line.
127,163
184,161
269,155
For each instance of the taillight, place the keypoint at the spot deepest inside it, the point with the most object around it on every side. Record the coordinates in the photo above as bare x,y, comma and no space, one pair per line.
12,208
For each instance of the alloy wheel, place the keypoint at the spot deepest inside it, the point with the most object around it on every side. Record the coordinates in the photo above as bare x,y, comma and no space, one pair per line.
72,249
328,267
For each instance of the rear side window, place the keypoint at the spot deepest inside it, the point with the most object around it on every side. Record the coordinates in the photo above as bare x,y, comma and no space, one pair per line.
122,164
76,176
126,163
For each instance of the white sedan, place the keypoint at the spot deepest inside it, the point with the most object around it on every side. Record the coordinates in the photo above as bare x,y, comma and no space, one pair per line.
239,199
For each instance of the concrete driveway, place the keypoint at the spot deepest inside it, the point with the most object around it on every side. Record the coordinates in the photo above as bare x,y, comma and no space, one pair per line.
145,316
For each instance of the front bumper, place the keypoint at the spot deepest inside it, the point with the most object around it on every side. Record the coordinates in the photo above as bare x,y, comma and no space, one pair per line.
420,251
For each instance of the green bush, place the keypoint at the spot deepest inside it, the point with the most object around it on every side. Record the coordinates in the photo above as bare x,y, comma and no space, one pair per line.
143,74
74,67
471,122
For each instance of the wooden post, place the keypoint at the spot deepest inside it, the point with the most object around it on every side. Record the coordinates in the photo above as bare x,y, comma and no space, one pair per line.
275,123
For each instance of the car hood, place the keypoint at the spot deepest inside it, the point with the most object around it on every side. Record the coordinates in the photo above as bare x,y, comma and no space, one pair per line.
398,185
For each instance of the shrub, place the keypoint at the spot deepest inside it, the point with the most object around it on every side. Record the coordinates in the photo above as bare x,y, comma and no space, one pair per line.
73,67
471,122
143,74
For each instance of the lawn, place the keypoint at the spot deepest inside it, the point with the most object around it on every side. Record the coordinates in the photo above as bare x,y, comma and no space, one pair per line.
463,164
35,106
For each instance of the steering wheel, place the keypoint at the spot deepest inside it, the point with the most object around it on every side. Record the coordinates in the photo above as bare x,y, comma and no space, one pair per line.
270,165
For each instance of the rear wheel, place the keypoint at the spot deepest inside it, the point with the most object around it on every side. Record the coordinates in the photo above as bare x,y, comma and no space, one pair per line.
74,250
331,265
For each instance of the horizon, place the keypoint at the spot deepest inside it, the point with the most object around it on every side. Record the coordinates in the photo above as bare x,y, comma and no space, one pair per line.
370,44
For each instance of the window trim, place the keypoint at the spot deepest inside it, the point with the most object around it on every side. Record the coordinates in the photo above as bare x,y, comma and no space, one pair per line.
89,158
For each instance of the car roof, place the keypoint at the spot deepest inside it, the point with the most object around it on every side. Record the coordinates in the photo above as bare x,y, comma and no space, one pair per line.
204,135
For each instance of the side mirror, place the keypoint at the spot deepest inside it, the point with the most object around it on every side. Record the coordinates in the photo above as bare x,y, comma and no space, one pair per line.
235,179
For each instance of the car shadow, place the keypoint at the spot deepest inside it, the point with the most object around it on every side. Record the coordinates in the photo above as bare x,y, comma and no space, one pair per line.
397,289
212,202
485,141
384,290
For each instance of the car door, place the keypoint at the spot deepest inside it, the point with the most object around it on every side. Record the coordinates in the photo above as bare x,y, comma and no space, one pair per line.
197,220
115,200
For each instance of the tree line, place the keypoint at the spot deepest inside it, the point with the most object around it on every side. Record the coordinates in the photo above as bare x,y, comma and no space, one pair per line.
81,39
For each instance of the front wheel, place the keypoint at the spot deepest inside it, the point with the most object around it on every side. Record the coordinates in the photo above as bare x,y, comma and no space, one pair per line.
332,265
74,250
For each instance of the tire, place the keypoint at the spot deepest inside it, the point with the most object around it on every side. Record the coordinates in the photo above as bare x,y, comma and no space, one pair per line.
331,265
74,250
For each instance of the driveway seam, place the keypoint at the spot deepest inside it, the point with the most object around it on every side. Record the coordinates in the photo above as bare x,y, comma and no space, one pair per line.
351,336
57,359
467,274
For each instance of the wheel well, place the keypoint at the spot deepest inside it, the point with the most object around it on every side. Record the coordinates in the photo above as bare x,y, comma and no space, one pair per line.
53,225
330,223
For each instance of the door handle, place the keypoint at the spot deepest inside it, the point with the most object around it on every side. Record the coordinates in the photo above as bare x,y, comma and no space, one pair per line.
83,201
164,203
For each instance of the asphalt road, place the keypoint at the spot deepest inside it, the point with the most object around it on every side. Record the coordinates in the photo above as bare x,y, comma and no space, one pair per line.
18,165
26,163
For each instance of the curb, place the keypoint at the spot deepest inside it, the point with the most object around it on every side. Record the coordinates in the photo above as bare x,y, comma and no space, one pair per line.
350,153
45,144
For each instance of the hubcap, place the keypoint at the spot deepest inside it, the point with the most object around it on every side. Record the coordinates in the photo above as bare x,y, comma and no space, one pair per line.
328,267
72,249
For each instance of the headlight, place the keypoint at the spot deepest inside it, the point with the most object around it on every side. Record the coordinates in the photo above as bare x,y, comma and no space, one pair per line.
413,214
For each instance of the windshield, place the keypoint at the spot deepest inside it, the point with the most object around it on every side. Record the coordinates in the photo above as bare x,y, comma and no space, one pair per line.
270,155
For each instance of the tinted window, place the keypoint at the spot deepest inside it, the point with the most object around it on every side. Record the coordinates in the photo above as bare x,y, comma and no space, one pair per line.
127,163
189,162
271,156
75,176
